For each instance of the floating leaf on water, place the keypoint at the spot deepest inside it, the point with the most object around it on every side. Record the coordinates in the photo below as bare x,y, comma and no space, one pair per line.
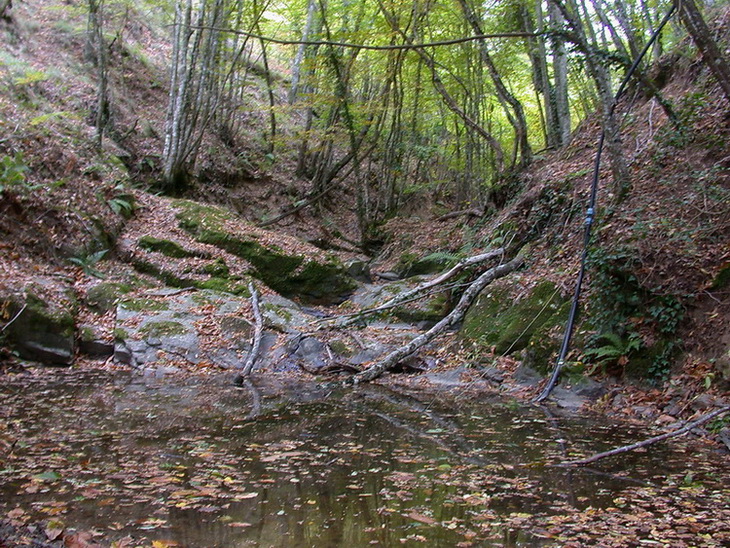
54,529
421,518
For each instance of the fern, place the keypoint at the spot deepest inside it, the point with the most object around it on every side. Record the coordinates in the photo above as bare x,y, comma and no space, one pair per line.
616,350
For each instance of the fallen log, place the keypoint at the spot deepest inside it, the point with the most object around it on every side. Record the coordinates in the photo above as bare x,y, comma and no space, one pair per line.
454,317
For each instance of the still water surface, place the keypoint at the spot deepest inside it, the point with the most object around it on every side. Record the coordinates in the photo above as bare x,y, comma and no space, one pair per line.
180,459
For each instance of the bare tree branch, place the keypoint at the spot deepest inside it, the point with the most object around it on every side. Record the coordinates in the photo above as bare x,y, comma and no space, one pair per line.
455,316
626,448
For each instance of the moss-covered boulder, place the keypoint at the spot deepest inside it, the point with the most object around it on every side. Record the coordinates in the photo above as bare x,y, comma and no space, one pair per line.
40,330
430,308
301,272
103,296
499,320
410,264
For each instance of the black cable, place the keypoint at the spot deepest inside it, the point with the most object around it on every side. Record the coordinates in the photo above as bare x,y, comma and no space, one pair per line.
590,214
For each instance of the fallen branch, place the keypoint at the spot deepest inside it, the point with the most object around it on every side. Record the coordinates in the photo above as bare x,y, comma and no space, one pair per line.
255,400
258,334
626,448
423,288
25,305
454,317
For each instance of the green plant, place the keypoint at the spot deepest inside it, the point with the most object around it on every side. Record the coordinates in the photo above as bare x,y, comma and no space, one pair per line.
12,172
121,206
87,261
624,313
616,350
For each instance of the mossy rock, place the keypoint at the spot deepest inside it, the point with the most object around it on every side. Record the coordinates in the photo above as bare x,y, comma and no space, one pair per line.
410,264
166,276
40,331
102,296
217,268
542,349
163,328
288,274
167,247
144,305
496,320
430,309
233,286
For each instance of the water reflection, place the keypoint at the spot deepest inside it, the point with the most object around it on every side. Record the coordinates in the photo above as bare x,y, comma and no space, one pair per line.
180,460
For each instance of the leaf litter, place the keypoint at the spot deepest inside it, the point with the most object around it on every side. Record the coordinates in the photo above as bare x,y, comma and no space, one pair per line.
115,458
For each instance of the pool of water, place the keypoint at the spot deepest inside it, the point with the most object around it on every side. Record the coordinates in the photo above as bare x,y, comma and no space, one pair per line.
181,460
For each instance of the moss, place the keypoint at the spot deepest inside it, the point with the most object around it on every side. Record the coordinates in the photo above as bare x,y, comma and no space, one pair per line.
144,305
339,347
279,311
287,274
87,334
166,276
411,264
217,268
225,285
163,328
42,317
120,334
541,352
166,247
102,296
40,331
496,320
722,279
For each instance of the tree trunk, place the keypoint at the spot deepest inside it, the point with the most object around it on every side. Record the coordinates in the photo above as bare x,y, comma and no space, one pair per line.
517,118
701,36
96,53
296,69
560,89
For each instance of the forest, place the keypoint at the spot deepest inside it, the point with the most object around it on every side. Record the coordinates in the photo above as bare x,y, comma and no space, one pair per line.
337,273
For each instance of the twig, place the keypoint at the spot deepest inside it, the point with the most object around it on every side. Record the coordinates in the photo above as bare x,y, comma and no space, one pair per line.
25,305
626,448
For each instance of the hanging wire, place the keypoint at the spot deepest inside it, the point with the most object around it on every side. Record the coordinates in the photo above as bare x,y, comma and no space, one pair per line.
590,215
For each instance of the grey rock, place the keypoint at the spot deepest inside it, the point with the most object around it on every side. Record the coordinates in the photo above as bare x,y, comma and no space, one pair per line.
97,348
527,376
162,334
359,270
389,276
492,374
589,388
567,399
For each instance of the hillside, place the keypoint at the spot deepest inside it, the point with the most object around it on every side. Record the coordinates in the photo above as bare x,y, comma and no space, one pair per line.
82,226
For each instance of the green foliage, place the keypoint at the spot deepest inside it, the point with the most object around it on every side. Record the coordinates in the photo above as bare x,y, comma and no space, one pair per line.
628,317
615,350
87,262
12,173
